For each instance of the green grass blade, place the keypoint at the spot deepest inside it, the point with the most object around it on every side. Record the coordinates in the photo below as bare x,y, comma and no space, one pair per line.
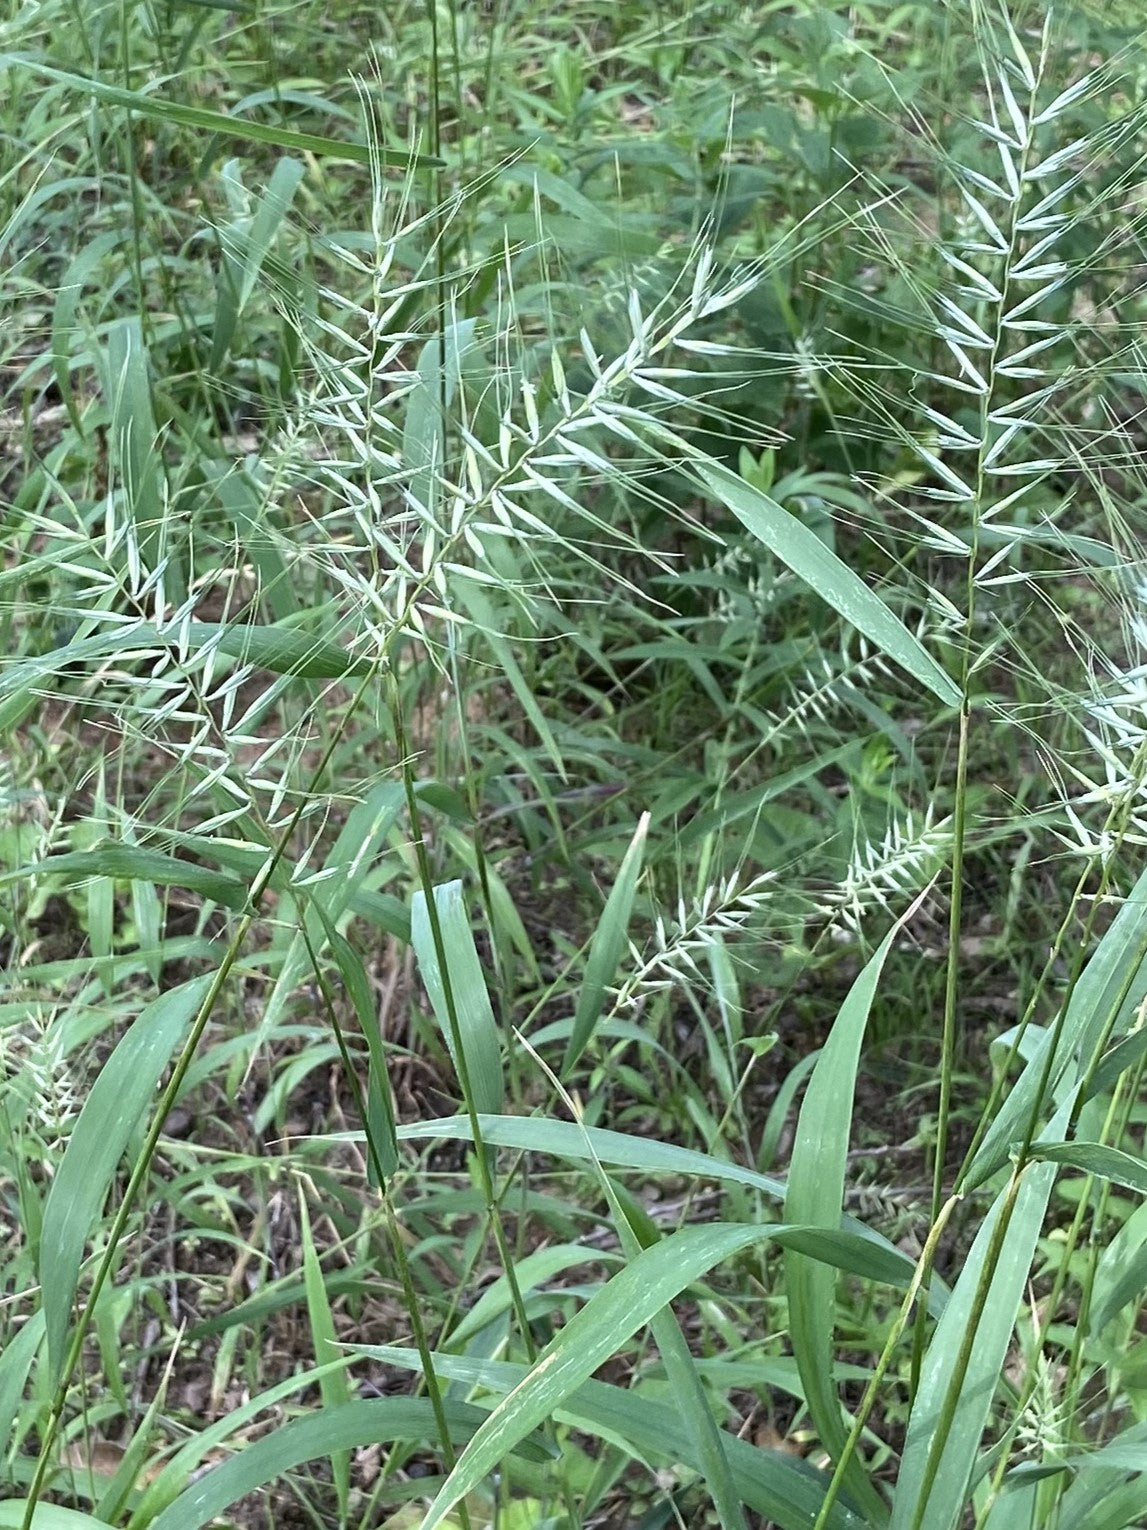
482,610
116,1101
84,266
272,209
779,1109
1121,1273
802,550
177,1469
121,1489
208,121
379,1124
245,248
477,1026
48,1516
815,1195
334,1386
1116,974
637,1231
1096,1158
1094,1501
132,863
1123,1508
591,1336
16,1361
531,1271
316,1435
282,650
783,1488
334,890
606,947
738,805
948,1456
135,446
244,506
861,1252
439,375
564,1139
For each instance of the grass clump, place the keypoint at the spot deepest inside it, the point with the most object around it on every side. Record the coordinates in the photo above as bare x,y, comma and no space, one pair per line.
570,886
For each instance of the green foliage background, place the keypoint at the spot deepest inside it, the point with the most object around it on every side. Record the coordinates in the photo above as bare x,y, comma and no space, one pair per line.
572,795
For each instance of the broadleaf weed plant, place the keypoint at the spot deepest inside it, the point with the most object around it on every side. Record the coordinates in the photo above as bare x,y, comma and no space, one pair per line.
468,664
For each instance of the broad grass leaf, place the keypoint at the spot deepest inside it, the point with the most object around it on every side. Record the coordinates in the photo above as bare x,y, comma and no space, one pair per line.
1121,1273
245,247
481,609
1121,1058
148,913
784,1489
614,1030
132,863
47,1516
333,891
564,1139
100,891
385,910
1096,1158
83,266
273,206
815,1196
605,948
1115,979
590,1337
439,375
282,650
530,1272
780,1107
637,1231
599,239
379,1124
135,448
859,1252
1015,1508
244,858
16,1362
315,1435
246,509
1094,1501
117,1100
802,550
134,1460
220,123
125,638
478,1031
1121,1508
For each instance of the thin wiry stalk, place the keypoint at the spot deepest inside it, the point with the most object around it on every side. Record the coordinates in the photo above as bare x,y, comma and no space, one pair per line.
410,1297
481,1159
426,877
887,1354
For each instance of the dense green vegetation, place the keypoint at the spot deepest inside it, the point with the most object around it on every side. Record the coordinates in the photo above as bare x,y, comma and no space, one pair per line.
571,805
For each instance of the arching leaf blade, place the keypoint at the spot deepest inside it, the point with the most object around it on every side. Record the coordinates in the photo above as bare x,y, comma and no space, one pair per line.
802,550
